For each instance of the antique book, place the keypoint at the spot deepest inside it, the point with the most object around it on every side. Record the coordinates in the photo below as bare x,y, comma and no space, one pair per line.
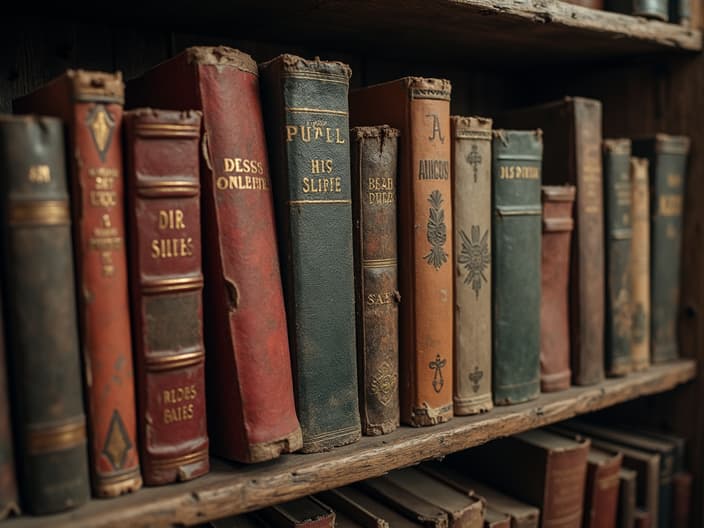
602,488
544,469
38,281
360,507
681,499
516,238
655,9
248,372
522,515
572,154
90,105
420,109
625,516
305,104
667,165
163,204
374,155
307,512
9,500
496,519
558,224
617,249
643,519
640,264
680,12
471,206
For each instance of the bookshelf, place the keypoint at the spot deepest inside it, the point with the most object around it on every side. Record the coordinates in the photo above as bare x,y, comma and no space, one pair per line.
498,54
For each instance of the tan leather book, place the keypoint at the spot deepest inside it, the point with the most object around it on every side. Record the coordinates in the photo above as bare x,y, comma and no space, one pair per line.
471,206
640,264
420,109
358,506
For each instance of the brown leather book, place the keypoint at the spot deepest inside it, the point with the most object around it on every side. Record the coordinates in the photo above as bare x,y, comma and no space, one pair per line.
625,516
640,264
471,206
681,499
572,154
90,104
307,512
163,192
643,519
374,155
602,488
363,509
558,202
420,109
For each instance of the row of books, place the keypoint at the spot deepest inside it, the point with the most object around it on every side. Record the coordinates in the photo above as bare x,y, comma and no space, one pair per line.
573,475
348,290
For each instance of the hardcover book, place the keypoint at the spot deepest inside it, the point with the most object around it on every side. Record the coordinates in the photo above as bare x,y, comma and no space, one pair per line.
90,105
374,155
643,519
420,109
625,516
667,163
250,404
360,507
572,137
681,499
640,264
516,160
9,500
471,206
308,134
163,191
307,512
39,293
558,224
617,237
602,488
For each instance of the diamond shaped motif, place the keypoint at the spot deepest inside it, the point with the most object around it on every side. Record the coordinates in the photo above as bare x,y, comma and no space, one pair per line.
101,126
117,443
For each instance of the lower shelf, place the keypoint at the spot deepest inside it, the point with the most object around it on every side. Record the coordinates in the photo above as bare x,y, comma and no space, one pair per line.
233,488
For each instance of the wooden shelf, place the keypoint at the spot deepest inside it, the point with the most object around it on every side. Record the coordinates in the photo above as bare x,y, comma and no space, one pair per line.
234,488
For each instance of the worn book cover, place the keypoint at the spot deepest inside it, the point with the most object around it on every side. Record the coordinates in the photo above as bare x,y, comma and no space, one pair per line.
602,488
640,264
420,109
90,105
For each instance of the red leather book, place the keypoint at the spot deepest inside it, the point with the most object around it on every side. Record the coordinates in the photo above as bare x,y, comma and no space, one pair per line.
251,410
163,193
90,104
602,488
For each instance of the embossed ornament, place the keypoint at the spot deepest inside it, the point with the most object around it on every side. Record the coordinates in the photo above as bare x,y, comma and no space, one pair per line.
117,443
437,365
101,126
437,231
475,377
384,384
475,257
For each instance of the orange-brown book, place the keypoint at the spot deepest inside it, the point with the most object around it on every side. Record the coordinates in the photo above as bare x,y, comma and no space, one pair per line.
420,109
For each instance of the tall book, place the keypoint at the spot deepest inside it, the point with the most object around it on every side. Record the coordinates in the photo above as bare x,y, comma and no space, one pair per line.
471,206
667,166
374,159
625,516
420,109
558,224
640,264
357,505
306,113
38,279
9,500
516,159
617,237
90,104
163,191
602,488
572,136
249,384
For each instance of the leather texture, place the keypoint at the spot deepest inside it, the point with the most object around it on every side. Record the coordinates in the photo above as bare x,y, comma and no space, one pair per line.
471,206
572,136
667,160
558,225
40,317
640,264
516,175
251,409
602,489
163,192
420,109
90,104
625,516
9,498
374,162
306,113
307,512
617,236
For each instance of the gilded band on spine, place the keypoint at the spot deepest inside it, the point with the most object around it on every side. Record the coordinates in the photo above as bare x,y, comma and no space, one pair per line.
55,438
39,212
169,463
174,361
172,285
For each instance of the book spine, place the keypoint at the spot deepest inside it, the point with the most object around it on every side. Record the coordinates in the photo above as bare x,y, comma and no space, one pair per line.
374,161
617,237
9,501
602,494
587,279
162,153
558,224
626,499
665,494
565,477
516,157
643,519
52,460
309,139
681,499
640,264
471,206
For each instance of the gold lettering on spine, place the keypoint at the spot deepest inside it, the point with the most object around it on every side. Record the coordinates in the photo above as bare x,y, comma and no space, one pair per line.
242,174
163,248
177,399
105,238
39,174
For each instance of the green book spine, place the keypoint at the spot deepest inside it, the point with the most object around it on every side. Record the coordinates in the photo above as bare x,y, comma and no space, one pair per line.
618,233
516,229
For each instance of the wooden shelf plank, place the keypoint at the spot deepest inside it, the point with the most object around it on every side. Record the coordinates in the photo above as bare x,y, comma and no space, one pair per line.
234,488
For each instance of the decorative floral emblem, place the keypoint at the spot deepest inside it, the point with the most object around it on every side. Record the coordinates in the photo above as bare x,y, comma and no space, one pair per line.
383,385
475,377
638,323
475,257
437,365
117,443
474,159
101,126
437,231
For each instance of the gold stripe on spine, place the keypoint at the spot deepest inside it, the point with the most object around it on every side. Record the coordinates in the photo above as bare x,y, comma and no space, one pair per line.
298,202
191,458
321,78
174,361
117,484
316,110
172,285
164,188
57,438
166,130
473,134
45,212
379,263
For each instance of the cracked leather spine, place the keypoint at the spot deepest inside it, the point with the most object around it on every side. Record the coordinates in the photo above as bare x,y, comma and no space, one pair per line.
91,104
